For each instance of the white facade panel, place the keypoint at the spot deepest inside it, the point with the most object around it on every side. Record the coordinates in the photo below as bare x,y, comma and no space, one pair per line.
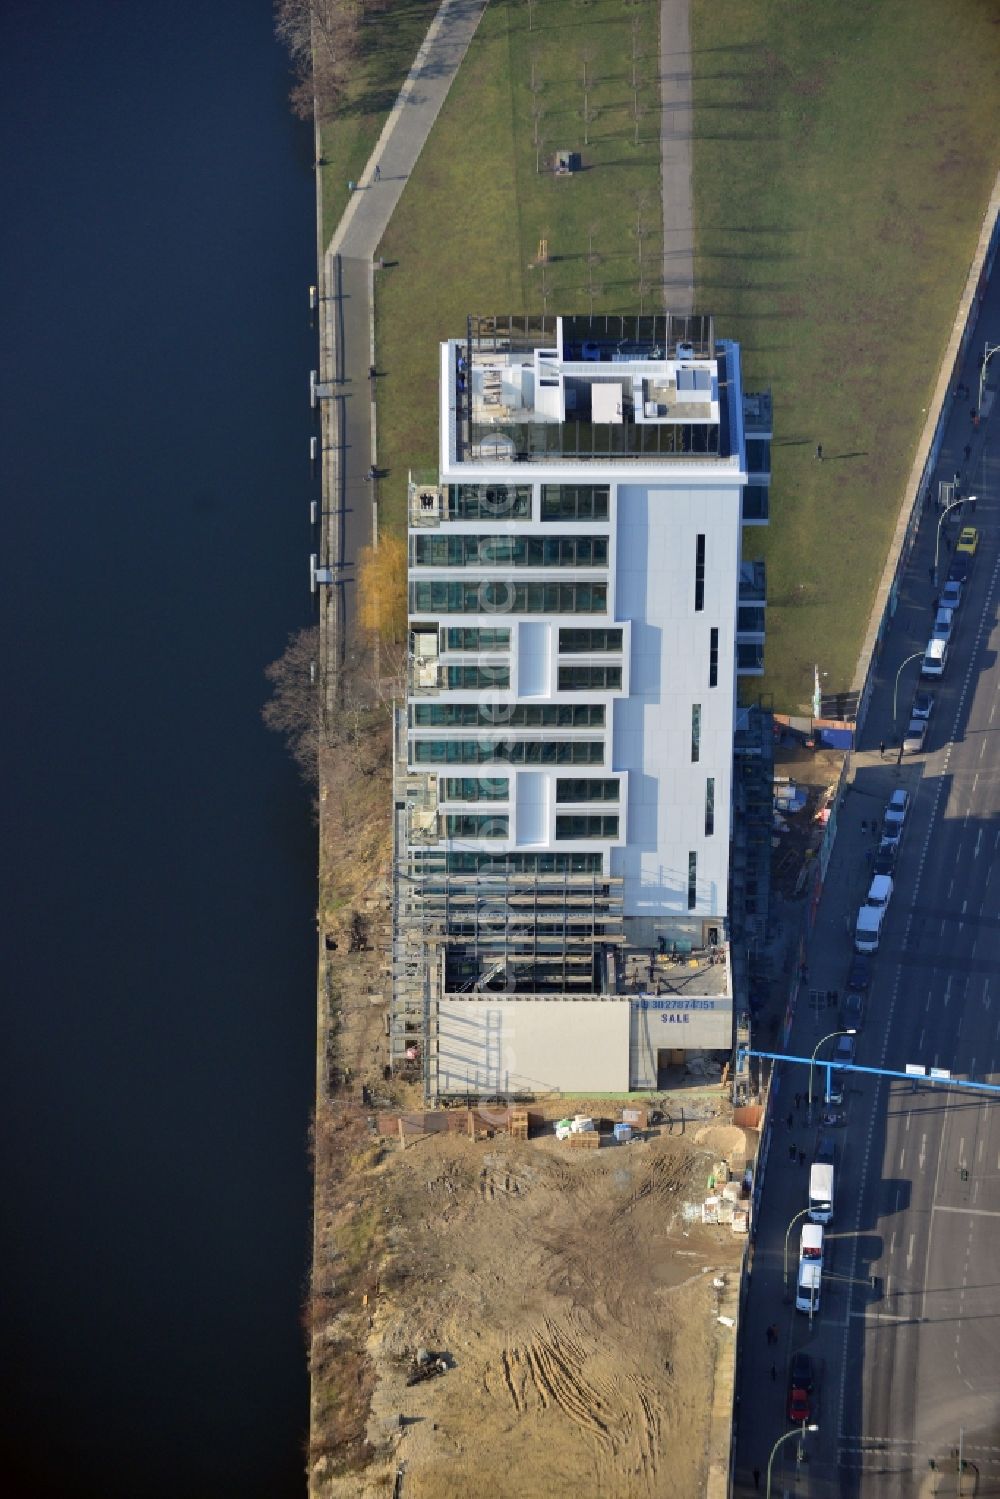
494,1045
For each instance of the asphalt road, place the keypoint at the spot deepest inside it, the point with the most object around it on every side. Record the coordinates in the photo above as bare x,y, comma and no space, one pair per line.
905,1341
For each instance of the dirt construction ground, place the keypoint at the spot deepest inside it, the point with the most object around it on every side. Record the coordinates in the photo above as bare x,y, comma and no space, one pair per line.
575,1304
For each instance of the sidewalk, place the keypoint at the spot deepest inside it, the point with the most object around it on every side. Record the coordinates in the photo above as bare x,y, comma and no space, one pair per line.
676,128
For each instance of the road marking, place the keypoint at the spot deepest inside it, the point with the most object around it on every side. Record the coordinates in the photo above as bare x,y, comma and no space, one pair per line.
975,783
982,747
947,992
941,1207
902,1157
920,1043
909,1117
923,1150
892,1244
909,1252
979,839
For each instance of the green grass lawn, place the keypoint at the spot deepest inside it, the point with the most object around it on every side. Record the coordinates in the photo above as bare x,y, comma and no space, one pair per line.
844,155
468,226
388,42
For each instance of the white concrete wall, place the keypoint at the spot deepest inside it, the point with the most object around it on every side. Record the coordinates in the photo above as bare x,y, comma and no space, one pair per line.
494,1045
657,529
673,1024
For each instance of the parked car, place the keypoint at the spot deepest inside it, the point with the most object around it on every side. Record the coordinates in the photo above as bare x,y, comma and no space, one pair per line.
859,974
894,817
961,565
968,540
826,1151
843,1056
852,1010
885,859
951,594
913,739
801,1385
923,704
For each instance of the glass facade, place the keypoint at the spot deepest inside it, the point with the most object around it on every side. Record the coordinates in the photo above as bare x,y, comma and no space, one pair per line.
507,550
709,806
574,502
584,642
590,678
469,678
587,825
498,596
713,659
581,789
512,751
510,715
699,574
489,501
476,825
474,638
692,881
475,789
486,863
695,732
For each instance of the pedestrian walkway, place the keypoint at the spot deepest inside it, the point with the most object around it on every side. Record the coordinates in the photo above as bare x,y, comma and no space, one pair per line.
676,131
347,333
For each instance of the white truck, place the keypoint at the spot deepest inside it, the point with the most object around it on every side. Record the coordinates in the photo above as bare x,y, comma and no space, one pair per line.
821,1192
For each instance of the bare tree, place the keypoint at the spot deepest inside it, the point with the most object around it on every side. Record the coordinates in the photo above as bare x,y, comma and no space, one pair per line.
593,261
537,115
321,38
638,110
636,50
531,14
294,708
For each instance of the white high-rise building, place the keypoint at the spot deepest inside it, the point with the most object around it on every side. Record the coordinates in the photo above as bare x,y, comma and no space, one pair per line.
579,613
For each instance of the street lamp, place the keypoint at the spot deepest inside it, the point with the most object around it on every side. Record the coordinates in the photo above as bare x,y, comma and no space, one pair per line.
812,1061
796,1431
915,657
987,356
937,535
784,1275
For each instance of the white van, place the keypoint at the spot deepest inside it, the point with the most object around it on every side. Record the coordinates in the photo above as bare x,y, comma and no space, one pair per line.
820,1192
868,928
935,657
808,1287
811,1243
880,890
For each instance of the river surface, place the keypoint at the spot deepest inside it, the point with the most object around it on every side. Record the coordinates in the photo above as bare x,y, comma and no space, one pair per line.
157,1048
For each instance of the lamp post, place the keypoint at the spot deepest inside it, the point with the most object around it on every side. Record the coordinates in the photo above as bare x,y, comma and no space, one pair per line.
796,1431
915,657
812,1062
937,534
987,356
784,1274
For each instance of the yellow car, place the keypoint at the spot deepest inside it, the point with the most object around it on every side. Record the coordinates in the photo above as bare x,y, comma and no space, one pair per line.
968,540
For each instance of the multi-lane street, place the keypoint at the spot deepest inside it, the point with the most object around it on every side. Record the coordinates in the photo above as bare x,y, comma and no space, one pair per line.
905,1363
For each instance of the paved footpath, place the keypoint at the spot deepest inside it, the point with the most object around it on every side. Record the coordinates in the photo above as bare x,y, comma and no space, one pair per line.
676,130
347,338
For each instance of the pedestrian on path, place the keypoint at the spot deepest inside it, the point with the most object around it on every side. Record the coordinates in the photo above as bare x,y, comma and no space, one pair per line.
864,825
967,451
881,749
789,1121
819,452
756,1478
798,1100
377,172
792,1151
802,1157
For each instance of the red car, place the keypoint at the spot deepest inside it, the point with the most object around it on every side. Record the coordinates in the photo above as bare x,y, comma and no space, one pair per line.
799,1408
800,1387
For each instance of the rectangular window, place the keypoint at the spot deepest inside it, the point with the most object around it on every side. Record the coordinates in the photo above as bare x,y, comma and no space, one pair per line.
508,715
472,678
472,638
695,732
692,881
479,861
475,789
489,501
586,825
699,574
508,751
588,642
590,678
507,550
569,502
476,825
503,596
713,659
709,806
583,790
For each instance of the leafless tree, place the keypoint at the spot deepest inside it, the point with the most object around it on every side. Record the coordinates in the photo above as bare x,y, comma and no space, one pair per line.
537,114
593,261
321,38
293,709
638,110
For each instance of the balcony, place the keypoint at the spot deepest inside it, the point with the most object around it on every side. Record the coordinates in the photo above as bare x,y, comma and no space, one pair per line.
756,504
757,414
749,658
753,583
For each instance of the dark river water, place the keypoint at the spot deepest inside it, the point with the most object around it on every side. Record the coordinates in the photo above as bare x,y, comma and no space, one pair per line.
158,913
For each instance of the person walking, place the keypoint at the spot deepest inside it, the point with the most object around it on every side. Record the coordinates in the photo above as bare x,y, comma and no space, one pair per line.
789,1121
819,452
881,749
802,1157
967,451
792,1151
756,1478
377,174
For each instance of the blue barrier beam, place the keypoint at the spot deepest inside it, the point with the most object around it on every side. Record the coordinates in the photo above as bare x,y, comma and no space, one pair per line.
907,1077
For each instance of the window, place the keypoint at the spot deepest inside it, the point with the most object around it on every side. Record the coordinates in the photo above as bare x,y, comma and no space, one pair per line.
510,715
475,789
573,642
695,732
472,638
713,659
758,455
699,574
709,806
507,550
469,678
481,862
511,751
692,881
582,790
574,502
590,678
586,825
476,825
502,596
489,501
